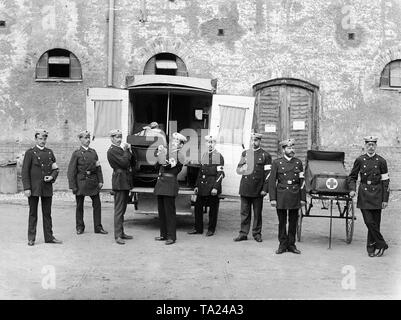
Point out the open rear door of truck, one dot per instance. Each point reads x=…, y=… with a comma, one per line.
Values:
x=106, y=109
x=231, y=122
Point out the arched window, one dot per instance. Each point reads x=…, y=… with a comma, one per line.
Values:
x=391, y=75
x=166, y=63
x=58, y=65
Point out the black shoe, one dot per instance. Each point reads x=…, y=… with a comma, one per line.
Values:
x=120, y=241
x=54, y=240
x=160, y=238
x=170, y=241
x=80, y=231
x=194, y=232
x=126, y=237
x=209, y=233
x=381, y=250
x=371, y=254
x=258, y=238
x=281, y=250
x=241, y=238
x=101, y=231
x=31, y=242
x=294, y=249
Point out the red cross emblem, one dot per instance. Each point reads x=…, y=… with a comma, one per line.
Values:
x=331, y=183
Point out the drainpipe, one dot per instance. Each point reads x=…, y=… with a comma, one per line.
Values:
x=110, y=45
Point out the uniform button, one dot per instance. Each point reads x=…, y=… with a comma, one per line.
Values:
x=284, y=174
x=366, y=189
x=287, y=187
x=282, y=168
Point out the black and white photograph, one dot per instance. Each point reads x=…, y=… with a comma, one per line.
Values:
x=200, y=154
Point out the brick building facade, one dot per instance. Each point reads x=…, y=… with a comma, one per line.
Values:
x=349, y=50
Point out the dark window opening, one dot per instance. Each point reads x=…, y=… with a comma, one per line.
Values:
x=391, y=75
x=221, y=32
x=351, y=36
x=2, y=23
x=58, y=64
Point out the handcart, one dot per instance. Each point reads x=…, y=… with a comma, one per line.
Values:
x=326, y=182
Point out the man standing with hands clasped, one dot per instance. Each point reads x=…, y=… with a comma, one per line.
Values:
x=373, y=193
x=85, y=178
x=39, y=172
x=254, y=166
x=287, y=193
x=208, y=187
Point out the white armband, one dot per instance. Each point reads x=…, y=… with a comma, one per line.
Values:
x=385, y=176
x=267, y=167
x=220, y=168
x=301, y=174
x=54, y=166
x=98, y=163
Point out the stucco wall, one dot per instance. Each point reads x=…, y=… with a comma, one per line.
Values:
x=263, y=39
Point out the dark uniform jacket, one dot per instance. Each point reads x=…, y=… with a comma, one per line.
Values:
x=167, y=183
x=286, y=183
x=374, y=186
x=84, y=172
x=36, y=165
x=254, y=166
x=122, y=162
x=211, y=174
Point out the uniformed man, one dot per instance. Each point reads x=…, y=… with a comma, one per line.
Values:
x=208, y=187
x=39, y=172
x=170, y=162
x=254, y=166
x=373, y=193
x=85, y=178
x=287, y=193
x=122, y=161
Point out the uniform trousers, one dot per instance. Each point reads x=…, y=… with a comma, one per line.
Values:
x=247, y=203
x=167, y=216
x=372, y=220
x=46, y=203
x=287, y=239
x=213, y=203
x=79, y=213
x=120, y=206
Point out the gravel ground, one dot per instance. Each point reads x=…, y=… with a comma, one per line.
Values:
x=93, y=266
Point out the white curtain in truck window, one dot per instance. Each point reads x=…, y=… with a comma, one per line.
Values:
x=231, y=124
x=107, y=117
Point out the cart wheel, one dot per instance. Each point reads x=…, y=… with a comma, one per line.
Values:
x=349, y=220
x=299, y=224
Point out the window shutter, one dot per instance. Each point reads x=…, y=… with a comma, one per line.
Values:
x=75, y=68
x=150, y=67
x=385, y=77
x=181, y=68
x=42, y=67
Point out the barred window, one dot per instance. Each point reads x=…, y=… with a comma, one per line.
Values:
x=391, y=75
x=58, y=65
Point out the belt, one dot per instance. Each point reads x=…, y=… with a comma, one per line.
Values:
x=287, y=184
x=122, y=170
x=166, y=175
